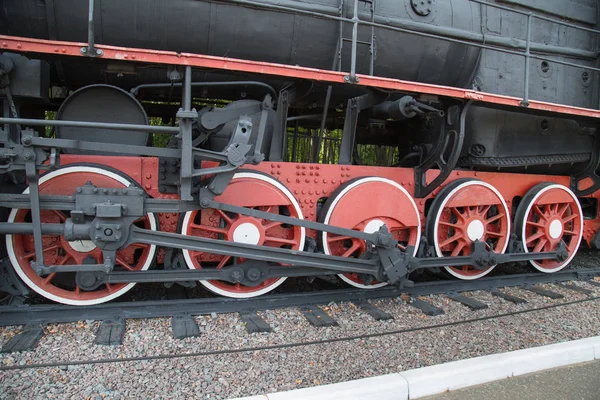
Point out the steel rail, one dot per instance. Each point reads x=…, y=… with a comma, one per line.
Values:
x=56, y=313
x=54, y=47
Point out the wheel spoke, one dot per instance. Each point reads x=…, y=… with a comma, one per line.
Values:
x=139, y=245
x=457, y=213
x=569, y=218
x=563, y=209
x=539, y=212
x=124, y=264
x=331, y=239
x=494, y=218
x=494, y=234
x=223, y=262
x=485, y=210
x=449, y=224
x=280, y=240
x=49, y=278
x=533, y=237
x=570, y=233
x=461, y=245
x=209, y=228
x=536, y=224
x=355, y=246
x=450, y=240
x=224, y=216
x=538, y=247
x=271, y=225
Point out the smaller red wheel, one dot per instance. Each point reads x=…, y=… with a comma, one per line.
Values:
x=548, y=214
x=464, y=211
x=366, y=204
x=253, y=190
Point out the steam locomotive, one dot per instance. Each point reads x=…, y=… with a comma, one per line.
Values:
x=238, y=143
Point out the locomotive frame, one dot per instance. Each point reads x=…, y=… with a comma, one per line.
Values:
x=106, y=215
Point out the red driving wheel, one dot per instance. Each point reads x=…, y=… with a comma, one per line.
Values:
x=252, y=190
x=366, y=204
x=62, y=287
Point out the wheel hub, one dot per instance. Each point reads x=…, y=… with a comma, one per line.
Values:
x=475, y=230
x=82, y=246
x=248, y=231
x=373, y=226
x=555, y=229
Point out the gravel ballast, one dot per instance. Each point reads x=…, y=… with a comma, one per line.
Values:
x=248, y=373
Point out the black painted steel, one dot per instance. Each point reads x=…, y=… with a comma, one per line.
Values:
x=53, y=313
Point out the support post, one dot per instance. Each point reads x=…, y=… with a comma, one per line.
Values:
x=352, y=78
x=525, y=101
x=185, y=131
x=91, y=50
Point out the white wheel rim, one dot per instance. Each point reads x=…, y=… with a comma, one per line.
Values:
x=241, y=295
x=17, y=267
x=370, y=225
x=438, y=215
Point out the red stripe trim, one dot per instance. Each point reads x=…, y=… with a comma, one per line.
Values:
x=203, y=61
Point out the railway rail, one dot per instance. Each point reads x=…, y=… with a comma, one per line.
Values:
x=54, y=313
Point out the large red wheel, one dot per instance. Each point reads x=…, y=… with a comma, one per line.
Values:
x=464, y=211
x=365, y=204
x=548, y=214
x=61, y=287
x=253, y=190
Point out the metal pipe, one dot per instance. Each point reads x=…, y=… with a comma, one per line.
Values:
x=91, y=39
x=27, y=229
x=341, y=41
x=84, y=124
x=299, y=117
x=187, y=92
x=270, y=88
x=525, y=101
x=372, y=46
x=352, y=78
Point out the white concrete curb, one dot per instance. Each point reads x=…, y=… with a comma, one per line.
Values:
x=421, y=382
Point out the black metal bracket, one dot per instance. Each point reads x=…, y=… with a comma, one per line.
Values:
x=353, y=108
x=445, y=153
x=590, y=172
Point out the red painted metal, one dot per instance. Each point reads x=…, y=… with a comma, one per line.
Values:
x=20, y=44
x=365, y=205
x=466, y=209
x=58, y=251
x=252, y=190
x=553, y=216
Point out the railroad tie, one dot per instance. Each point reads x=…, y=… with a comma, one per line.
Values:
x=508, y=297
x=575, y=288
x=184, y=326
x=373, y=311
x=467, y=301
x=255, y=323
x=543, y=292
x=111, y=332
x=593, y=283
x=26, y=340
x=317, y=317
x=426, y=307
